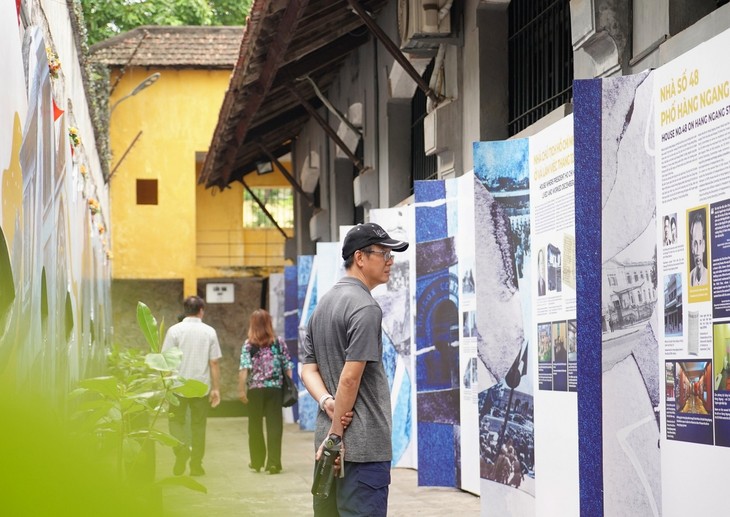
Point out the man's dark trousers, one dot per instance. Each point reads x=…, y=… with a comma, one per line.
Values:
x=198, y=407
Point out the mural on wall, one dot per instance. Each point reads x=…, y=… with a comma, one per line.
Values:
x=619, y=151
x=437, y=333
x=55, y=321
x=503, y=295
x=395, y=300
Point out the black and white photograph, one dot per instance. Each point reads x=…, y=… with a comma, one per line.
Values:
x=506, y=437
x=560, y=353
x=541, y=273
x=467, y=282
x=572, y=341
x=469, y=377
x=554, y=268
x=697, y=244
x=669, y=229
x=545, y=348
x=469, y=319
x=673, y=305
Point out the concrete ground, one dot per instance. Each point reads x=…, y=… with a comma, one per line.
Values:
x=234, y=490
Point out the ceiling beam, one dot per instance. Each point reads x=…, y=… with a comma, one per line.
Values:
x=249, y=167
x=251, y=32
x=276, y=51
x=322, y=57
x=328, y=129
x=263, y=209
x=393, y=50
x=286, y=174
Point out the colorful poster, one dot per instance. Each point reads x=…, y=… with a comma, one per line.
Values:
x=620, y=462
x=291, y=330
x=437, y=333
x=330, y=266
x=502, y=277
x=691, y=111
x=276, y=301
x=554, y=326
x=394, y=298
x=307, y=300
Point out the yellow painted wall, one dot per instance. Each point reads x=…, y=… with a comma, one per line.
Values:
x=221, y=232
x=177, y=116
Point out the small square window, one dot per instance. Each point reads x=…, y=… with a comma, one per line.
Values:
x=146, y=192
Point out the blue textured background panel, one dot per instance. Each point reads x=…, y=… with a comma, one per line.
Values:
x=587, y=123
x=430, y=221
x=436, y=458
x=437, y=362
x=402, y=418
x=307, y=281
x=290, y=303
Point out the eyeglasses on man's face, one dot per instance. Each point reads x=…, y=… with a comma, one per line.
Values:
x=387, y=255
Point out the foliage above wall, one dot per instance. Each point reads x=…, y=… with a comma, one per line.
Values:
x=107, y=18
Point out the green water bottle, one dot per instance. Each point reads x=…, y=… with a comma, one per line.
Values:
x=324, y=475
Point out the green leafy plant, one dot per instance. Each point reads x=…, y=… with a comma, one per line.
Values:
x=121, y=411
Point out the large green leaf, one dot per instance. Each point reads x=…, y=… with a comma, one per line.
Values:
x=147, y=383
x=185, y=481
x=106, y=386
x=131, y=448
x=191, y=388
x=131, y=406
x=148, y=325
x=173, y=357
x=95, y=419
x=76, y=393
x=139, y=434
x=114, y=413
x=164, y=438
x=97, y=403
x=167, y=361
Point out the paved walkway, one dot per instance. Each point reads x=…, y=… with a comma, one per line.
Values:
x=234, y=490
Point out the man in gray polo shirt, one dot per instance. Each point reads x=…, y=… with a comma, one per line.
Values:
x=343, y=370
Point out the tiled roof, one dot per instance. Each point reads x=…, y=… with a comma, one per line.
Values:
x=171, y=46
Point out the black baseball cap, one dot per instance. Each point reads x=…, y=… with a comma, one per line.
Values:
x=364, y=235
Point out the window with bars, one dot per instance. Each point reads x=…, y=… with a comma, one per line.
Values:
x=423, y=167
x=279, y=202
x=359, y=212
x=540, y=60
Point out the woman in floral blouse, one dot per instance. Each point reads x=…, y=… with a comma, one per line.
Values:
x=263, y=357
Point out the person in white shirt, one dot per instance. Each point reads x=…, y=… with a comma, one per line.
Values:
x=201, y=352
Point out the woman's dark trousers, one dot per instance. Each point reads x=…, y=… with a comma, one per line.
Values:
x=265, y=403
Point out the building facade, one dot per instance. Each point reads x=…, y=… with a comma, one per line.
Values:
x=173, y=238
x=492, y=69
x=629, y=293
